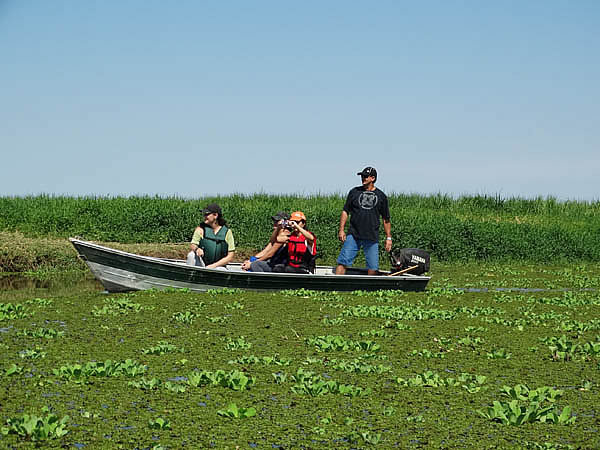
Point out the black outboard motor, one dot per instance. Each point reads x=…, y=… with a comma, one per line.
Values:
x=403, y=258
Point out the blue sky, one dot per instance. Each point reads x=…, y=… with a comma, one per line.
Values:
x=195, y=98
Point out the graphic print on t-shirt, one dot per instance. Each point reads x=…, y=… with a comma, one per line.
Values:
x=367, y=200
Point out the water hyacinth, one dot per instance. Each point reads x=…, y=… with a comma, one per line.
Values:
x=377, y=379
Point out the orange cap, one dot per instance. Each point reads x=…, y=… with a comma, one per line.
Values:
x=298, y=215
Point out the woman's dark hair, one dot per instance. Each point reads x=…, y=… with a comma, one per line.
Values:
x=221, y=221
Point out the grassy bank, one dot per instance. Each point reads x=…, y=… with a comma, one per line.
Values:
x=307, y=369
x=470, y=227
x=19, y=253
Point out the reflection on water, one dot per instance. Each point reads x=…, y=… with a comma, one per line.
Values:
x=51, y=284
x=14, y=282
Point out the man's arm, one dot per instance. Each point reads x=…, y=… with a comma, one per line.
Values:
x=260, y=256
x=264, y=251
x=341, y=232
x=345, y=213
x=387, y=227
x=268, y=251
x=272, y=250
x=283, y=236
x=274, y=234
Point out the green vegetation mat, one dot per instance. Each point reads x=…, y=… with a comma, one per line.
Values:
x=226, y=369
x=469, y=227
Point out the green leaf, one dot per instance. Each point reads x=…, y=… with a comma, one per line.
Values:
x=565, y=415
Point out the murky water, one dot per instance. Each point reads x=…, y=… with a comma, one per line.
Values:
x=525, y=290
x=51, y=285
x=15, y=282
x=86, y=283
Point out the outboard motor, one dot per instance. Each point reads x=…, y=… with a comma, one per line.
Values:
x=403, y=258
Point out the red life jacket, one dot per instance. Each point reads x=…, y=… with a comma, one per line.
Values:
x=298, y=250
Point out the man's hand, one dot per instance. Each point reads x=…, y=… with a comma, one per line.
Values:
x=388, y=245
x=342, y=236
x=246, y=265
x=199, y=252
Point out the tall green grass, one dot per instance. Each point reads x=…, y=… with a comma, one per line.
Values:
x=468, y=227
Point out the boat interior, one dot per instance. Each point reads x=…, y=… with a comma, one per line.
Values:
x=320, y=270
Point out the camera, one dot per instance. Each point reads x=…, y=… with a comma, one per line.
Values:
x=287, y=224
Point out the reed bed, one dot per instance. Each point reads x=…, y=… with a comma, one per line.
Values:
x=479, y=227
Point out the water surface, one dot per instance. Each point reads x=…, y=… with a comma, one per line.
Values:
x=52, y=285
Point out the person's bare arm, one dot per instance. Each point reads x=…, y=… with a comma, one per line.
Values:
x=274, y=234
x=387, y=227
x=283, y=236
x=307, y=234
x=264, y=251
x=276, y=246
x=343, y=219
x=199, y=234
x=223, y=261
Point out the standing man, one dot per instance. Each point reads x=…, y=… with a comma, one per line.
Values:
x=364, y=204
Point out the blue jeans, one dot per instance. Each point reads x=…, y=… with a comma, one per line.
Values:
x=260, y=266
x=352, y=246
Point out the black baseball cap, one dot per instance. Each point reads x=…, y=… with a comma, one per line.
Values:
x=212, y=208
x=280, y=216
x=368, y=172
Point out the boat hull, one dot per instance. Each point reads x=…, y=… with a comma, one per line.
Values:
x=120, y=271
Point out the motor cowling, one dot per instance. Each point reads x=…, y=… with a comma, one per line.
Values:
x=403, y=258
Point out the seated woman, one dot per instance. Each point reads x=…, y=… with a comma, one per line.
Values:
x=301, y=247
x=275, y=251
x=212, y=244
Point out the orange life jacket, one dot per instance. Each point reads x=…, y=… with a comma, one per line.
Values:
x=298, y=250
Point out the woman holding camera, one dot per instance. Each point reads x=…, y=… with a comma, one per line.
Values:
x=301, y=246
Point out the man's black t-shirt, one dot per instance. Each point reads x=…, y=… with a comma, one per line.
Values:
x=364, y=208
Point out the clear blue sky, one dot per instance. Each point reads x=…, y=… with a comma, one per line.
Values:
x=193, y=98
